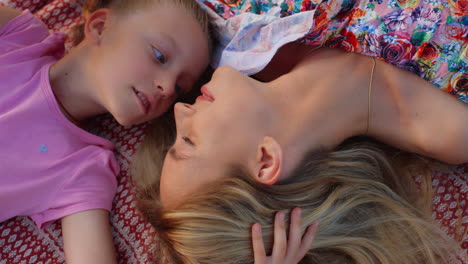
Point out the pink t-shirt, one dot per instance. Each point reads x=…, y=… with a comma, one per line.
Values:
x=49, y=168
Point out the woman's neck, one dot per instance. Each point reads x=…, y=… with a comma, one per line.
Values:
x=69, y=80
x=320, y=102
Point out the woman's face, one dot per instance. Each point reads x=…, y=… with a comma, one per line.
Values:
x=222, y=128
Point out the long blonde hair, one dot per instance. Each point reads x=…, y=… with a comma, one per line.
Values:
x=126, y=6
x=369, y=212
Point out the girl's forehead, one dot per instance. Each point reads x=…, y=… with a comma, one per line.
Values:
x=157, y=12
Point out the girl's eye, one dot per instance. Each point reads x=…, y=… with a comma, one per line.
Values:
x=188, y=141
x=159, y=56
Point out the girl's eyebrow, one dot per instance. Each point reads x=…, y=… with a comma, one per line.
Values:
x=168, y=42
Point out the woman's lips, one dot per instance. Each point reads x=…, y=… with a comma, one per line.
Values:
x=202, y=98
x=206, y=94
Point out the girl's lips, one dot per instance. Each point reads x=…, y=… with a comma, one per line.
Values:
x=143, y=100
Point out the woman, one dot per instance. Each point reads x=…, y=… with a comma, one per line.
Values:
x=366, y=212
x=245, y=146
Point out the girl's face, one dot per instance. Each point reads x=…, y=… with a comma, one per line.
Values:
x=224, y=127
x=146, y=59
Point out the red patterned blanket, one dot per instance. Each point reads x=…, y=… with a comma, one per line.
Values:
x=22, y=242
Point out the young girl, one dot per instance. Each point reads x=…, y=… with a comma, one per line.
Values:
x=136, y=58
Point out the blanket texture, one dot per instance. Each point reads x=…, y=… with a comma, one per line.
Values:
x=21, y=241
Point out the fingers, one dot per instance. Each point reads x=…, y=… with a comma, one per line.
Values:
x=307, y=240
x=279, y=238
x=285, y=251
x=257, y=242
x=295, y=234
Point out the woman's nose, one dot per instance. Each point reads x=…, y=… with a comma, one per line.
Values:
x=182, y=110
x=182, y=114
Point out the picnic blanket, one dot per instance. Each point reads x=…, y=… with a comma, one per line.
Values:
x=21, y=241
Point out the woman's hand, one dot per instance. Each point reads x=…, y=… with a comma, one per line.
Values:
x=285, y=251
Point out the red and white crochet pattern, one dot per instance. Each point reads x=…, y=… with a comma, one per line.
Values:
x=22, y=242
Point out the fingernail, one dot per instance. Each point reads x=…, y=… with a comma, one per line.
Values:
x=256, y=227
x=298, y=211
x=280, y=216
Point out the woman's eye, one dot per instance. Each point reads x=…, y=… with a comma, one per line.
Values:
x=159, y=56
x=188, y=141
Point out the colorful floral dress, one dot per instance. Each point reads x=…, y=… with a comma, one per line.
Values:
x=426, y=37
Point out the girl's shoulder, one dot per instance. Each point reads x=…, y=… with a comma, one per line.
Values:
x=26, y=45
x=21, y=25
x=7, y=14
x=26, y=31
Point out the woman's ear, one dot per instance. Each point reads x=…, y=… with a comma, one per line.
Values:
x=268, y=161
x=96, y=23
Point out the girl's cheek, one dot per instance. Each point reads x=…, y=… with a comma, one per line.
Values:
x=143, y=68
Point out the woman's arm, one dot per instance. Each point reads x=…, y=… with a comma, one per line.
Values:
x=412, y=114
x=87, y=238
x=7, y=14
x=406, y=111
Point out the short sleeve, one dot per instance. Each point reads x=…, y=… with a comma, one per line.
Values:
x=92, y=186
x=23, y=30
x=27, y=36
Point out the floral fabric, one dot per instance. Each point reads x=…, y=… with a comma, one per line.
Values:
x=426, y=37
x=21, y=241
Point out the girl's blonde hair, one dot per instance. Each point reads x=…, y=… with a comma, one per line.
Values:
x=127, y=6
x=369, y=212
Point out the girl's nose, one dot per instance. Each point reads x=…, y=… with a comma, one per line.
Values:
x=166, y=87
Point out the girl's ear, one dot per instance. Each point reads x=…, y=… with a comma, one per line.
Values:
x=269, y=161
x=96, y=23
